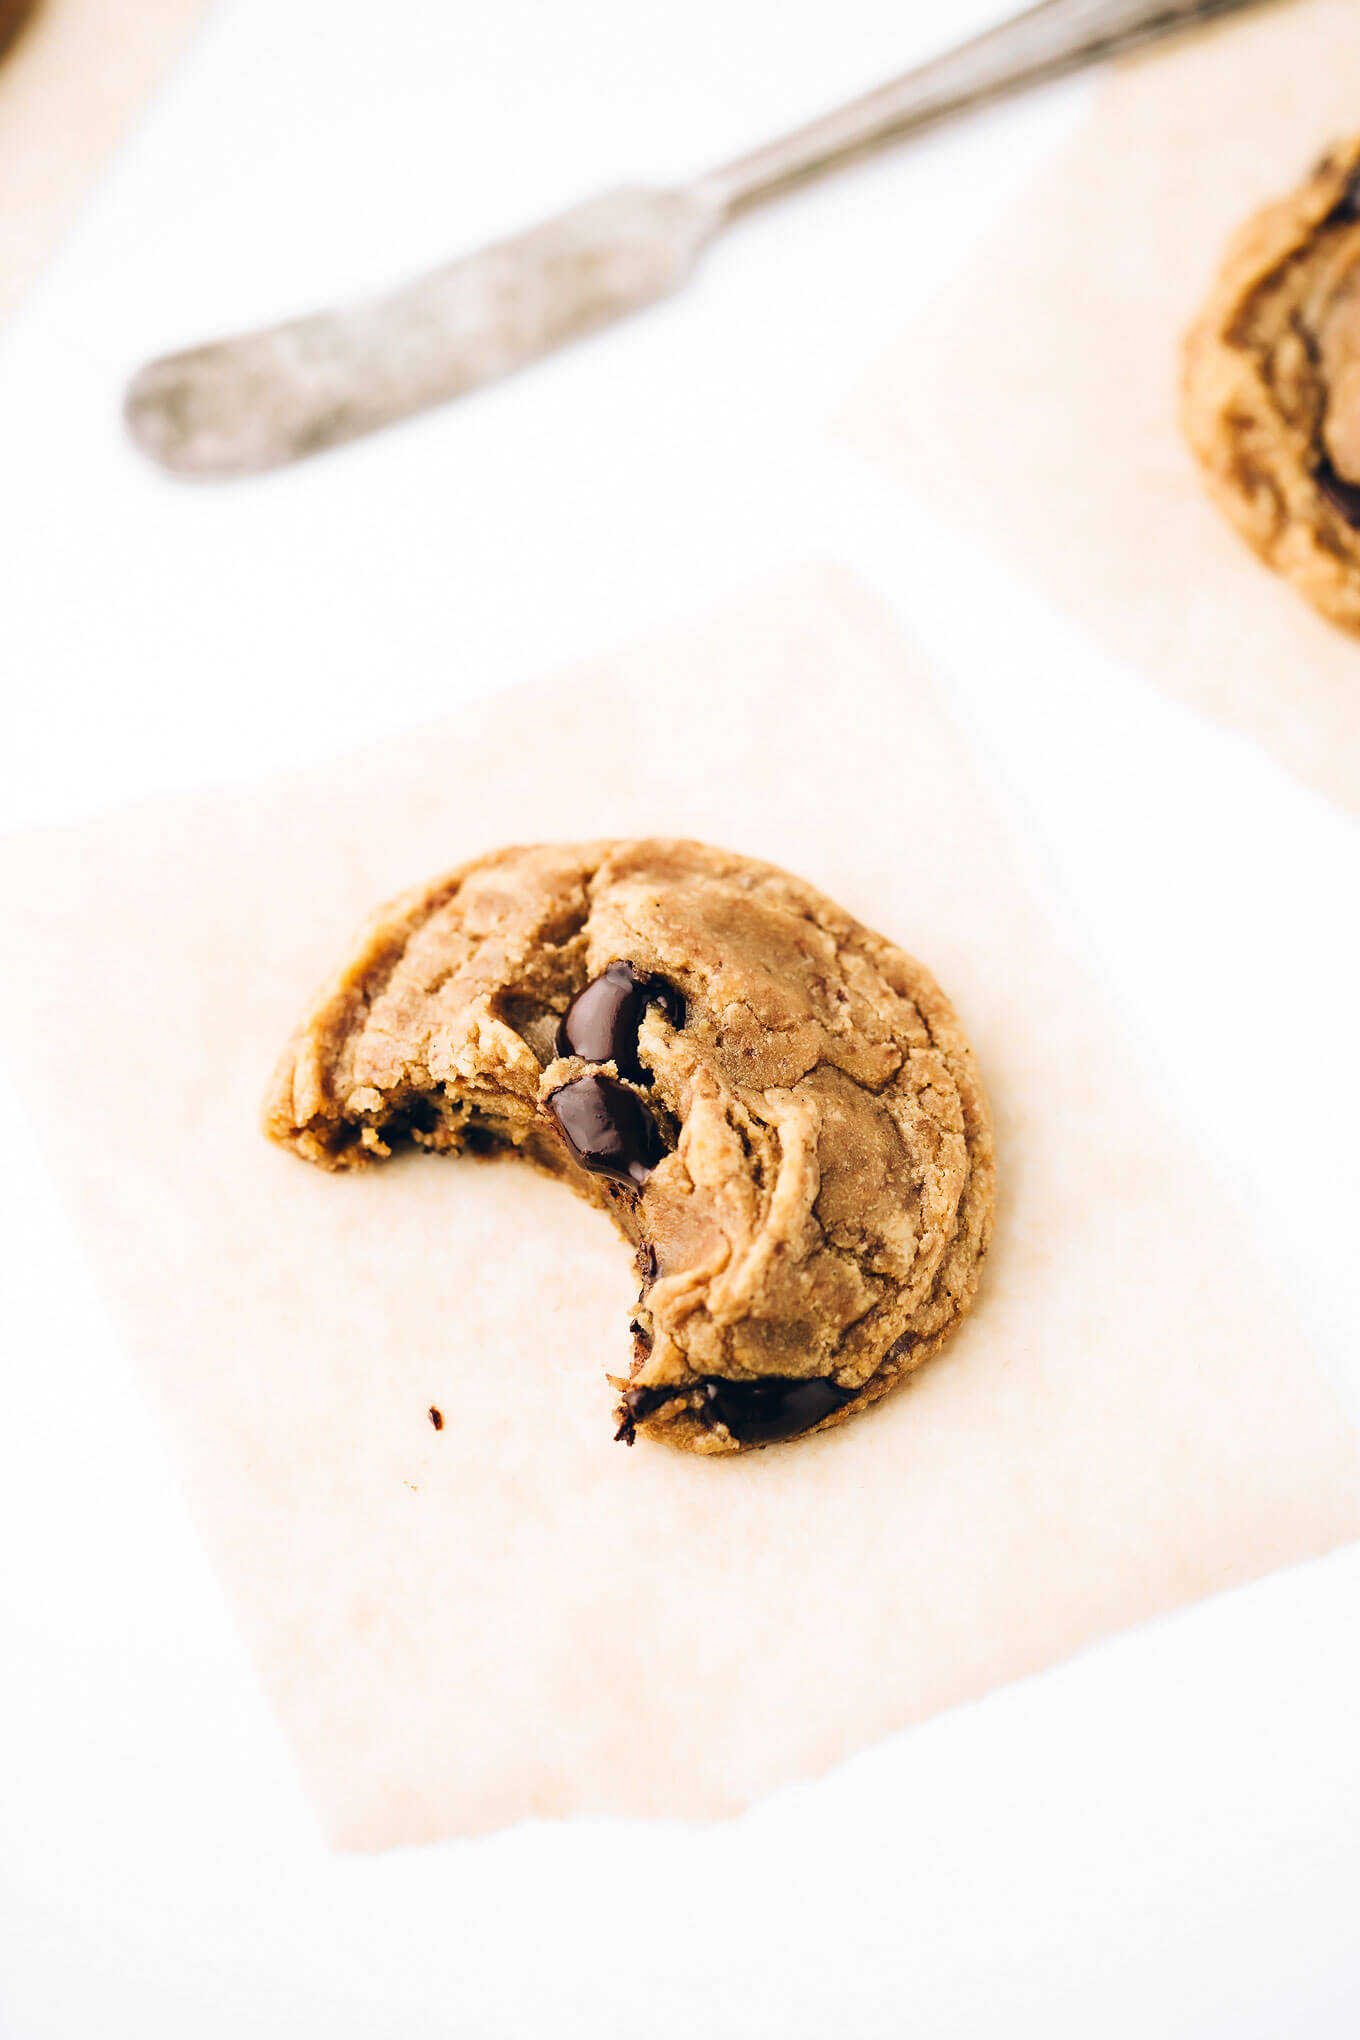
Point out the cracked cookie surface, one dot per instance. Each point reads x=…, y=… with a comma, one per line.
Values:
x=1270, y=394
x=777, y=1107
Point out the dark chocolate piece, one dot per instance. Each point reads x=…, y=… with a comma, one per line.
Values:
x=1343, y=496
x=601, y=1023
x=637, y=1405
x=608, y=1129
x=763, y=1412
x=755, y=1412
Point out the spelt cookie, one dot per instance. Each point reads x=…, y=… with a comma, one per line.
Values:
x=13, y=15
x=1270, y=398
x=778, y=1109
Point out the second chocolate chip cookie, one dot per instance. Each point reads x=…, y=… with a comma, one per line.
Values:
x=1271, y=386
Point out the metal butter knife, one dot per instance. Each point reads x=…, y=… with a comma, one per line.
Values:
x=261, y=399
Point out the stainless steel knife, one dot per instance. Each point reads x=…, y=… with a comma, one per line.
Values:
x=261, y=399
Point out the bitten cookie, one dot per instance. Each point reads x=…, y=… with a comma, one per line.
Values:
x=777, y=1107
x=1271, y=386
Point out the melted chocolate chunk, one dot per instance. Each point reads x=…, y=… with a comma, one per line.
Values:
x=608, y=1129
x=601, y=1023
x=436, y=1417
x=763, y=1412
x=1343, y=496
x=755, y=1412
x=638, y=1404
x=648, y=1265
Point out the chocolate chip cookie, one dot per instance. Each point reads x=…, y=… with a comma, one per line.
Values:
x=777, y=1107
x=1271, y=386
x=13, y=15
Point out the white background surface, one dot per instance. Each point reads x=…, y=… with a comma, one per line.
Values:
x=1161, y=1836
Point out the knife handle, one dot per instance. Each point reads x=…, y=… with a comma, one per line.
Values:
x=1044, y=42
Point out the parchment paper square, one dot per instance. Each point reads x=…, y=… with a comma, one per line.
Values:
x=71, y=85
x=1034, y=403
x=514, y=1615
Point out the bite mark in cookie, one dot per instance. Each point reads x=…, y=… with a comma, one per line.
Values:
x=1270, y=399
x=776, y=1106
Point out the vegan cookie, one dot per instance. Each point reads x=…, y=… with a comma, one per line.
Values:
x=13, y=15
x=777, y=1107
x=1270, y=398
